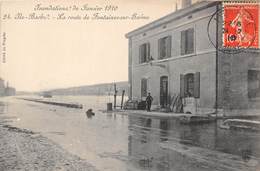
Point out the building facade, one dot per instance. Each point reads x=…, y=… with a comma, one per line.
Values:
x=10, y=91
x=6, y=90
x=174, y=56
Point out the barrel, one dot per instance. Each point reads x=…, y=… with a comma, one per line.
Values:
x=109, y=106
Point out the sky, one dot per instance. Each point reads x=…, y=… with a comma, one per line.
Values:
x=47, y=54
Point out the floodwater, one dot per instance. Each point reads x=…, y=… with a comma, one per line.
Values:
x=124, y=142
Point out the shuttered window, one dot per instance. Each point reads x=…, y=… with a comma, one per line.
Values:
x=164, y=46
x=144, y=53
x=253, y=83
x=190, y=85
x=189, y=79
x=187, y=41
x=144, y=87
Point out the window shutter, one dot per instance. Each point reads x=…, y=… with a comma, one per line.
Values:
x=145, y=87
x=159, y=48
x=182, y=86
x=183, y=41
x=168, y=46
x=190, y=40
x=142, y=88
x=147, y=51
x=143, y=53
x=197, y=85
x=140, y=54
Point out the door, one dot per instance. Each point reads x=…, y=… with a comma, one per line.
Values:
x=163, y=91
x=143, y=88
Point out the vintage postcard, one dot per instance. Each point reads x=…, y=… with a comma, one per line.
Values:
x=129, y=85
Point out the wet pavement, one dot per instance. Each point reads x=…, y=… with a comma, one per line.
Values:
x=125, y=142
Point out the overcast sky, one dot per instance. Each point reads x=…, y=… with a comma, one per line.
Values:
x=46, y=54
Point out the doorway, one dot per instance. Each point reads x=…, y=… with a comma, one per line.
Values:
x=163, y=91
x=143, y=88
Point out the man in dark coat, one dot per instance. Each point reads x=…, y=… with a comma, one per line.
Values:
x=149, y=100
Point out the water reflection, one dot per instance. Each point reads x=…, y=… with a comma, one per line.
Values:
x=163, y=130
x=147, y=134
x=3, y=107
x=246, y=154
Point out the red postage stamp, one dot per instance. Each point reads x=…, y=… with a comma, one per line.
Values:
x=240, y=27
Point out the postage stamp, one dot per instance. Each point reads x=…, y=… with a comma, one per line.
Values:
x=240, y=25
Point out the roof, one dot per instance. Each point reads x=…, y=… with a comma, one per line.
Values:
x=173, y=16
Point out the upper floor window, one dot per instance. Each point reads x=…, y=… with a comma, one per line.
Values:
x=187, y=41
x=165, y=47
x=253, y=83
x=144, y=52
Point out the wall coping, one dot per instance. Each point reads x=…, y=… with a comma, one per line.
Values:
x=173, y=58
x=173, y=16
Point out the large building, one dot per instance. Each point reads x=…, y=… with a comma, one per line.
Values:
x=180, y=54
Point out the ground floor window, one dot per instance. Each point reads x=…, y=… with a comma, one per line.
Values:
x=190, y=85
x=253, y=83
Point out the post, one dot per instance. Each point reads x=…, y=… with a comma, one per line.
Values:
x=217, y=60
x=122, y=100
x=115, y=96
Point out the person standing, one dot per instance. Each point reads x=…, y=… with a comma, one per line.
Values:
x=149, y=100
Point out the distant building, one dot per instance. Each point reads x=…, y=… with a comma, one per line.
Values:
x=10, y=91
x=174, y=56
x=6, y=90
x=2, y=87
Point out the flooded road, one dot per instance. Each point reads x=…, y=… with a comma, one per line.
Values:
x=124, y=142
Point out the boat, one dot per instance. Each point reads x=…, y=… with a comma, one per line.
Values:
x=244, y=124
